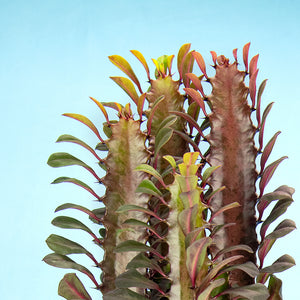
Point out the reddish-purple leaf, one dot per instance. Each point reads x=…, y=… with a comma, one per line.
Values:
x=131, y=207
x=267, y=151
x=259, y=94
x=283, y=192
x=196, y=97
x=268, y=173
x=224, y=208
x=275, y=285
x=200, y=61
x=182, y=53
x=70, y=287
x=252, y=87
x=196, y=254
x=262, y=128
x=245, y=56
x=281, y=264
x=197, y=82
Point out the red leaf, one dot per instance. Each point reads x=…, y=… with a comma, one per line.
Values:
x=197, y=98
x=259, y=94
x=197, y=82
x=267, y=151
x=214, y=56
x=235, y=54
x=262, y=128
x=268, y=173
x=245, y=56
x=252, y=87
x=200, y=61
x=253, y=65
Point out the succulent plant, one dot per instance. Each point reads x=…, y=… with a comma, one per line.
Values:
x=184, y=212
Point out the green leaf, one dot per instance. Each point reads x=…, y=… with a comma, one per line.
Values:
x=71, y=288
x=141, y=261
x=76, y=182
x=96, y=218
x=85, y=121
x=162, y=137
x=275, y=285
x=207, y=173
x=171, y=161
x=152, y=112
x=124, y=294
x=196, y=254
x=206, y=293
x=133, y=278
x=252, y=292
x=131, y=207
x=150, y=170
x=64, y=262
x=148, y=187
x=142, y=59
x=71, y=223
x=101, y=147
x=167, y=122
x=63, y=246
x=131, y=245
x=187, y=219
x=281, y=264
x=71, y=139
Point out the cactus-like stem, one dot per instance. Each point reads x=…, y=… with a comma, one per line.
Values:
x=126, y=152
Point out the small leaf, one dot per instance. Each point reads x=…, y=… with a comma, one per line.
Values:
x=207, y=173
x=197, y=98
x=234, y=52
x=245, y=56
x=200, y=61
x=85, y=121
x=72, y=139
x=186, y=219
x=268, y=173
x=262, y=127
x=197, y=83
x=170, y=159
x=283, y=192
x=224, y=208
x=150, y=170
x=91, y=214
x=267, y=151
x=253, y=65
x=140, y=105
x=196, y=254
x=205, y=295
x=64, y=262
x=131, y=207
x=101, y=147
x=135, y=222
x=127, y=86
x=259, y=94
x=124, y=294
x=76, y=182
x=214, y=56
x=71, y=223
x=281, y=264
x=233, y=248
x=63, y=159
x=70, y=287
x=284, y=228
x=249, y=267
x=279, y=209
x=142, y=59
x=275, y=287
x=135, y=246
x=102, y=108
x=252, y=292
x=148, y=187
x=167, y=122
x=161, y=139
x=182, y=53
x=152, y=112
x=252, y=88
x=141, y=261
x=133, y=278
x=123, y=65
x=63, y=246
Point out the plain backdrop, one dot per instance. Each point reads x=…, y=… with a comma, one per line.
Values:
x=53, y=56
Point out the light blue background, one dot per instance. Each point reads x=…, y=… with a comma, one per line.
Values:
x=54, y=55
